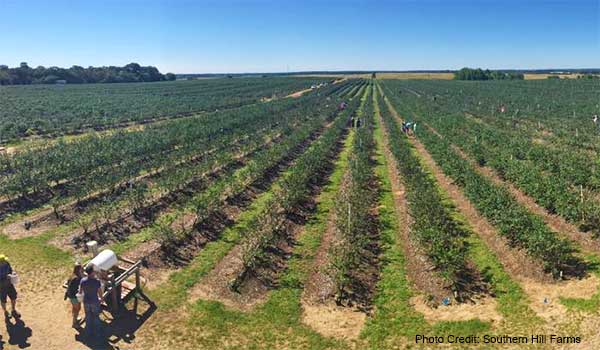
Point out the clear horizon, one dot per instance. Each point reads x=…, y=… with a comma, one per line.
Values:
x=259, y=36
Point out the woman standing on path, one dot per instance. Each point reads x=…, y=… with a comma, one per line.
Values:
x=71, y=293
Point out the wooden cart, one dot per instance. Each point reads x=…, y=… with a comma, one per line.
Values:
x=120, y=289
x=122, y=283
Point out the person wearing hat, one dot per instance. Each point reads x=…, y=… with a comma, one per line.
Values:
x=7, y=289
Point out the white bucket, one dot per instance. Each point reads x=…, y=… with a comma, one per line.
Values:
x=92, y=247
x=14, y=279
x=104, y=261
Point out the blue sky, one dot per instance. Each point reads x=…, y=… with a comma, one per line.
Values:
x=267, y=35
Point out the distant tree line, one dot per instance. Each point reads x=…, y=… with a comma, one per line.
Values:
x=480, y=74
x=588, y=76
x=132, y=72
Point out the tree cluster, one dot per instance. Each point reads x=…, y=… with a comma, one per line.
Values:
x=588, y=76
x=480, y=74
x=132, y=72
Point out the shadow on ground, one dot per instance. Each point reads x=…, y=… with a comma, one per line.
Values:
x=117, y=328
x=18, y=333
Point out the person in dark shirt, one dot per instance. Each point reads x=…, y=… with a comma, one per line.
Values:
x=90, y=286
x=7, y=289
x=71, y=293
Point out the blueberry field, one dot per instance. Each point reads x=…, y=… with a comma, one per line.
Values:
x=305, y=213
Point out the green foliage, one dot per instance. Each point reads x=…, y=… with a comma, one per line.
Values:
x=75, y=108
x=588, y=76
x=112, y=159
x=479, y=74
x=132, y=72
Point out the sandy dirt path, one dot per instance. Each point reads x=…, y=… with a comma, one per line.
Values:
x=299, y=93
x=45, y=316
x=45, y=321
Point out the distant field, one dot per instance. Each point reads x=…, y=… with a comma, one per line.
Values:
x=32, y=110
x=388, y=75
x=430, y=76
x=444, y=76
x=545, y=76
x=333, y=75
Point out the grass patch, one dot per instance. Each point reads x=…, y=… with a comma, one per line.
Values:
x=272, y=326
x=32, y=253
